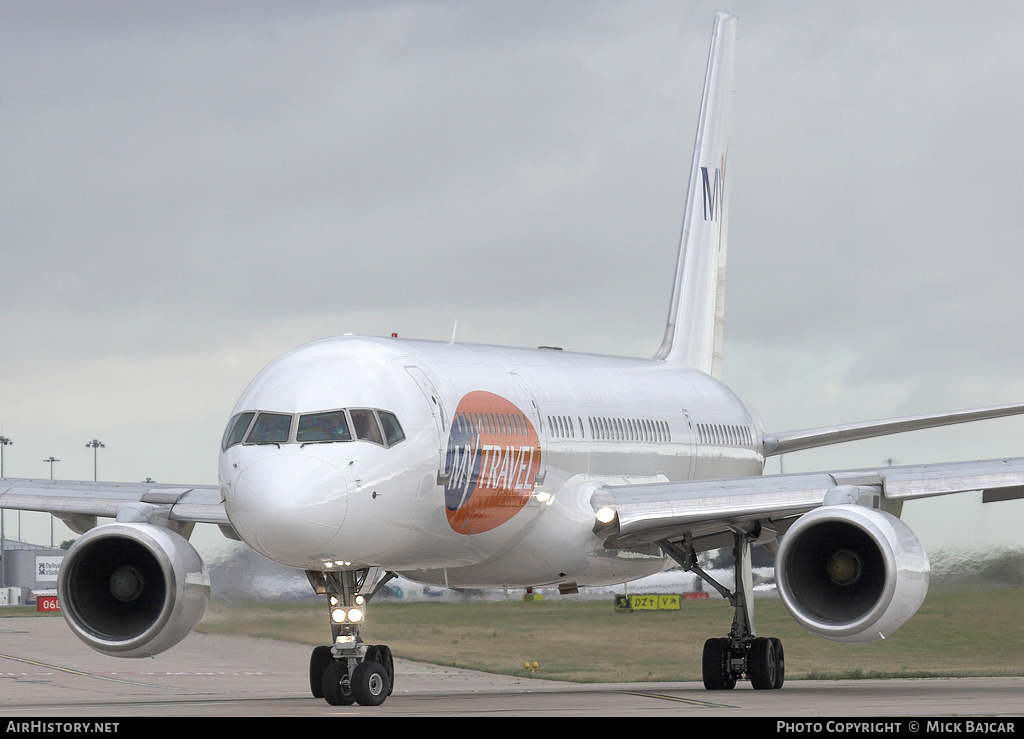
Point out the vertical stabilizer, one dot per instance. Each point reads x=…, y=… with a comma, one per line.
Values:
x=693, y=336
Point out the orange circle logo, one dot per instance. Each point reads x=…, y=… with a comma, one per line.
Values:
x=492, y=463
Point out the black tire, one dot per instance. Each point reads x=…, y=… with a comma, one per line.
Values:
x=382, y=655
x=762, y=664
x=780, y=663
x=337, y=687
x=318, y=661
x=715, y=665
x=370, y=684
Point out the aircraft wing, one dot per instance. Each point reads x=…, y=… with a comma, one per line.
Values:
x=707, y=513
x=80, y=503
x=791, y=441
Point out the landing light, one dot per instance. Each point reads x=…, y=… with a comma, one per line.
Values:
x=349, y=616
x=338, y=612
x=606, y=515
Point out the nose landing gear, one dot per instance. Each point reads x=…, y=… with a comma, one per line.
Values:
x=350, y=671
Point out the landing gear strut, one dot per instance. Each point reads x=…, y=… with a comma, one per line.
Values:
x=350, y=671
x=742, y=653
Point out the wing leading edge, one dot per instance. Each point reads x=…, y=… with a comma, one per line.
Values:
x=708, y=513
x=78, y=504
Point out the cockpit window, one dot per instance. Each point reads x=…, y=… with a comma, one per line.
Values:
x=270, y=428
x=392, y=428
x=263, y=427
x=328, y=426
x=365, y=422
x=236, y=429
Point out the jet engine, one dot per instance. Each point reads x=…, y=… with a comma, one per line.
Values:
x=850, y=573
x=132, y=589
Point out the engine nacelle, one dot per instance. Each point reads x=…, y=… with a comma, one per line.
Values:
x=850, y=573
x=132, y=589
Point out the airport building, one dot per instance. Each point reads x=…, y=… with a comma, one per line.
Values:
x=26, y=569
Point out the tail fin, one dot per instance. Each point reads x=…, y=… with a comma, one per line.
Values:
x=693, y=335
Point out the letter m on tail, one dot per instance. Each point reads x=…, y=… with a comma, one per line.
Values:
x=712, y=194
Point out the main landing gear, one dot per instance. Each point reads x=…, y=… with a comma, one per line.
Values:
x=350, y=671
x=742, y=653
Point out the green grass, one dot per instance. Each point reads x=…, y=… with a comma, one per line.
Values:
x=962, y=632
x=24, y=612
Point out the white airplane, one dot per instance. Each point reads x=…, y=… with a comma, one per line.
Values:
x=357, y=459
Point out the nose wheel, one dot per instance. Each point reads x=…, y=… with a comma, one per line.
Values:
x=367, y=683
x=350, y=671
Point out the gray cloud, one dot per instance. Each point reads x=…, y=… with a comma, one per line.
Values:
x=192, y=189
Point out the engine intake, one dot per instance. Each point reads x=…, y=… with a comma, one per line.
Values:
x=850, y=573
x=132, y=589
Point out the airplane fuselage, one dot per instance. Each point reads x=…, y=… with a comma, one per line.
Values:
x=487, y=481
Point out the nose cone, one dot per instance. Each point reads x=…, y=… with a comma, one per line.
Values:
x=288, y=506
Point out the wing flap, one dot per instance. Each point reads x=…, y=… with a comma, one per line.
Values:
x=1008, y=493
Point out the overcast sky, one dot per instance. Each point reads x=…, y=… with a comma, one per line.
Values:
x=191, y=189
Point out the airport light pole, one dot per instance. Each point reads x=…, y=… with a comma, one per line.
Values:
x=51, y=460
x=96, y=445
x=4, y=441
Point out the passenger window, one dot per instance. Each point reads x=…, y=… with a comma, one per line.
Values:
x=392, y=428
x=317, y=427
x=236, y=429
x=365, y=423
x=270, y=428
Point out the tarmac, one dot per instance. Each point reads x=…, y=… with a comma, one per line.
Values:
x=47, y=673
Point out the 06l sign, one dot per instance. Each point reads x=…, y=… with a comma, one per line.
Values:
x=47, y=603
